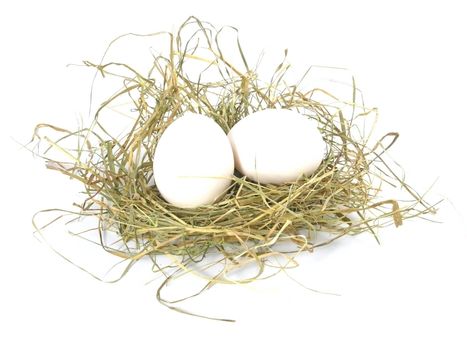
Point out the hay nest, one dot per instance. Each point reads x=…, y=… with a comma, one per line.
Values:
x=251, y=223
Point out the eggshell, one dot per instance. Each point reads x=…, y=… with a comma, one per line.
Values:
x=276, y=146
x=193, y=161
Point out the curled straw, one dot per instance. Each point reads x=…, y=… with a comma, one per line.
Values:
x=247, y=225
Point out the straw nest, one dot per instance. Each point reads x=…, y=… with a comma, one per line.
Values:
x=251, y=223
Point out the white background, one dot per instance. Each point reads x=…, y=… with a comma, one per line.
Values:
x=410, y=292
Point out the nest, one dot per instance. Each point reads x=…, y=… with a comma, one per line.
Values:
x=253, y=223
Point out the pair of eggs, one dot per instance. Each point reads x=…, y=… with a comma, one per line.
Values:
x=194, y=160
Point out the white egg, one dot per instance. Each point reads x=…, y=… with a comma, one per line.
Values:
x=277, y=146
x=193, y=162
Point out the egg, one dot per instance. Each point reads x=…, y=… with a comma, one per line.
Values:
x=276, y=146
x=193, y=162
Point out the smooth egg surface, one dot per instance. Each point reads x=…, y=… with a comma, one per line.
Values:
x=193, y=162
x=277, y=146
